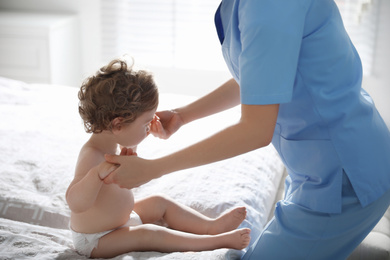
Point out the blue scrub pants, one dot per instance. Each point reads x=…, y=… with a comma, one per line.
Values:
x=297, y=232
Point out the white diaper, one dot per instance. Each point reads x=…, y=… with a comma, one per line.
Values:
x=85, y=243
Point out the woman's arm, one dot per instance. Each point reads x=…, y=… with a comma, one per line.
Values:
x=168, y=122
x=222, y=98
x=254, y=130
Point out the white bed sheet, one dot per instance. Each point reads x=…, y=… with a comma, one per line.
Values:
x=40, y=136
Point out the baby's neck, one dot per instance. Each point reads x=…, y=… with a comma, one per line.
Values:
x=104, y=142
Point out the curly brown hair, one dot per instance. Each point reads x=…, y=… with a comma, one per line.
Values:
x=116, y=90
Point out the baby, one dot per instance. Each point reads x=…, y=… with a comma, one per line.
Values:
x=117, y=106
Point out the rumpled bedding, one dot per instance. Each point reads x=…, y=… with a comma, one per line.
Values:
x=40, y=136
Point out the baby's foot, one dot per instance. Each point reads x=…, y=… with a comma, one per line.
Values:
x=228, y=221
x=238, y=239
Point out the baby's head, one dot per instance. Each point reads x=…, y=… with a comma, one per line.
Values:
x=116, y=91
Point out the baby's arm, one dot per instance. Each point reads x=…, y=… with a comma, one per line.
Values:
x=83, y=191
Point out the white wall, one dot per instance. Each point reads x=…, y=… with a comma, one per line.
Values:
x=88, y=12
x=190, y=82
x=378, y=84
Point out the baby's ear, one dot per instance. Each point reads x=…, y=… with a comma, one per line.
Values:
x=116, y=124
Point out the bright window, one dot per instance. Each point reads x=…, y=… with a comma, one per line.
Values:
x=165, y=33
x=360, y=20
x=181, y=33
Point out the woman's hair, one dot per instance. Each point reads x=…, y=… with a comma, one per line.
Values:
x=116, y=91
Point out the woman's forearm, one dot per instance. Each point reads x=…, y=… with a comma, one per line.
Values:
x=224, y=97
x=254, y=130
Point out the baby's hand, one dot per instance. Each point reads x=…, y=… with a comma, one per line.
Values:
x=105, y=168
x=127, y=151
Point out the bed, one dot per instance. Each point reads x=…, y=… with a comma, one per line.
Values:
x=40, y=136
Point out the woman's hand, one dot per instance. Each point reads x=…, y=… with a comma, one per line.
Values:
x=168, y=122
x=105, y=168
x=165, y=124
x=132, y=171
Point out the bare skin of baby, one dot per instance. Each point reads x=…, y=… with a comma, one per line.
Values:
x=97, y=207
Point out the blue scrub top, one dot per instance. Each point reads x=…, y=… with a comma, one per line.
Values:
x=297, y=54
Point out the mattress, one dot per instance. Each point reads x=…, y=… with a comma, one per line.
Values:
x=40, y=136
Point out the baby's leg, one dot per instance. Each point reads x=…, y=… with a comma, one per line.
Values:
x=149, y=237
x=183, y=218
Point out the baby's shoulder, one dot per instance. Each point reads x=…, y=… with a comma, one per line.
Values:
x=88, y=158
x=88, y=150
